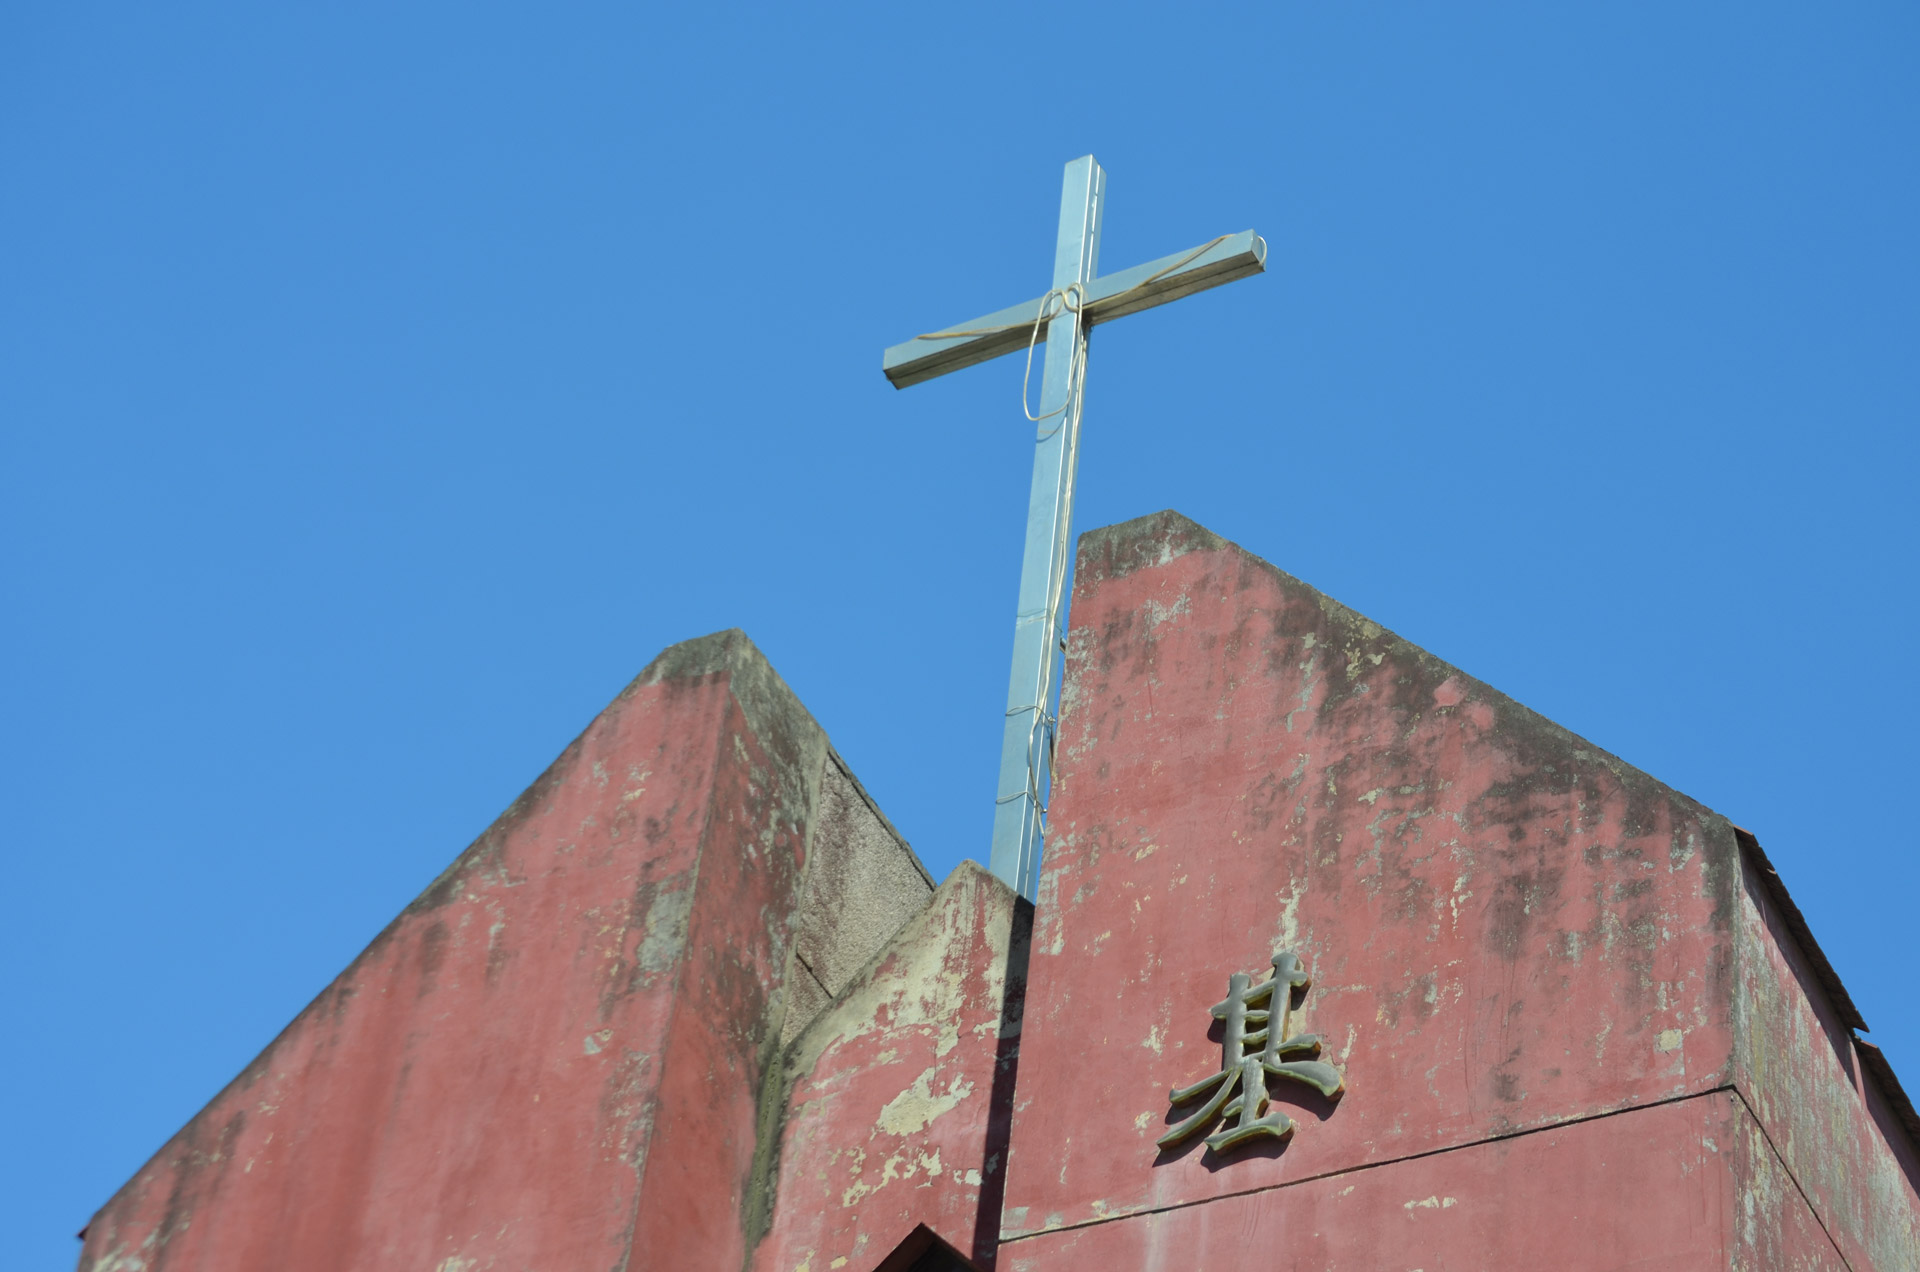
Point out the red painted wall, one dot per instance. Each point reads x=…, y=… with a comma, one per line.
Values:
x=1527, y=958
x=1507, y=927
x=1652, y=1190
x=900, y=1094
x=1574, y=1027
x=553, y=1058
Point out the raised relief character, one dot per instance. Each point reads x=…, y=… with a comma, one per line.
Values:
x=1255, y=1044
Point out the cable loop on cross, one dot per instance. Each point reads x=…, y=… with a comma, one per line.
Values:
x=1086, y=302
x=1072, y=300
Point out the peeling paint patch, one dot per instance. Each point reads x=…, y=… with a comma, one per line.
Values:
x=909, y=1112
x=1158, y=613
x=665, y=929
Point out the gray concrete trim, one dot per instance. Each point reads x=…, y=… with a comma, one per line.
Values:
x=847, y=769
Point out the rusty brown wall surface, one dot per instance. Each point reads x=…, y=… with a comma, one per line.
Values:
x=1651, y=1189
x=1508, y=928
x=1797, y=1067
x=899, y=1092
x=555, y=1056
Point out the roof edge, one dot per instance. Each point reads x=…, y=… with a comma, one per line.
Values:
x=1874, y=1061
x=1802, y=934
x=1117, y=550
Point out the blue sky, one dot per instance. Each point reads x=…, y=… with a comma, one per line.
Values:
x=383, y=386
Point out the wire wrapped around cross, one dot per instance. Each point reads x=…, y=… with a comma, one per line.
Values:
x=1071, y=299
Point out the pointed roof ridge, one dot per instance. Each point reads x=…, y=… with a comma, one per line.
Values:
x=1115, y=551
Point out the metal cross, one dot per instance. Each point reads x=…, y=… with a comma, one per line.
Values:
x=1077, y=302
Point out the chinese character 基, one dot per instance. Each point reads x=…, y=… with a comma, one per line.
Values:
x=1255, y=1045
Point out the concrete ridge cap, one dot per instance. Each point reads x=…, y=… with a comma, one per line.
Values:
x=729, y=650
x=969, y=867
x=1177, y=533
x=763, y=694
x=734, y=652
x=968, y=873
x=752, y=680
x=700, y=655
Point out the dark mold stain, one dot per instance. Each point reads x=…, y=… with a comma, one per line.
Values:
x=433, y=953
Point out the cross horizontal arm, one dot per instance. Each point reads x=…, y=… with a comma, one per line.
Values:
x=1230, y=257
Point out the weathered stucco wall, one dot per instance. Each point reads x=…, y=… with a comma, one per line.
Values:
x=1652, y=1190
x=556, y=1057
x=1533, y=964
x=1508, y=928
x=692, y=1002
x=862, y=886
x=1798, y=1068
x=900, y=1093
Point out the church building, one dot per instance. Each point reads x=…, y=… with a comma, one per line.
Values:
x=1337, y=958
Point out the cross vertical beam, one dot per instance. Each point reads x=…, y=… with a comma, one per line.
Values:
x=1078, y=301
x=1026, y=748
